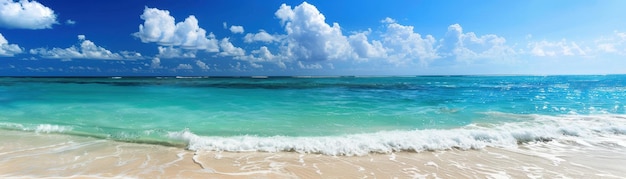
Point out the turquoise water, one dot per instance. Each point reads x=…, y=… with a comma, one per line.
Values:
x=338, y=115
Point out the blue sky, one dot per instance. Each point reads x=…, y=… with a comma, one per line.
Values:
x=241, y=38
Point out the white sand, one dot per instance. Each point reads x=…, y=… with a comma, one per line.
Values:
x=26, y=154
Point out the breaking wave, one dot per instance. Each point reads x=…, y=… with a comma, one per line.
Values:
x=587, y=128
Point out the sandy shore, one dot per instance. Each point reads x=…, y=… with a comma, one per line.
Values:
x=30, y=155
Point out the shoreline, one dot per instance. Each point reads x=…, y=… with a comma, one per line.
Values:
x=32, y=155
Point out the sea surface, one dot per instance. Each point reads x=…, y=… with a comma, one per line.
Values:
x=323, y=115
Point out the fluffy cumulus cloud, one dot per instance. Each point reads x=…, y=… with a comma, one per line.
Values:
x=235, y=29
x=263, y=55
x=309, y=66
x=131, y=55
x=86, y=50
x=228, y=49
x=388, y=20
x=202, y=65
x=173, y=52
x=309, y=37
x=160, y=27
x=262, y=36
x=405, y=46
x=468, y=46
x=363, y=48
x=26, y=14
x=8, y=50
x=307, y=41
x=156, y=63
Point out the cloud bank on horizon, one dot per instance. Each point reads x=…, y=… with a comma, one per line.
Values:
x=304, y=44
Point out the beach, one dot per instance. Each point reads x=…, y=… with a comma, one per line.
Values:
x=328, y=89
x=29, y=155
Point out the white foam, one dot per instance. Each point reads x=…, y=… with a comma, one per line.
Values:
x=48, y=128
x=12, y=125
x=41, y=128
x=590, y=129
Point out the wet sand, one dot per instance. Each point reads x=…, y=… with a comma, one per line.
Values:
x=30, y=155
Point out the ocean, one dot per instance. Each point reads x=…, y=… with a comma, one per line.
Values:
x=333, y=116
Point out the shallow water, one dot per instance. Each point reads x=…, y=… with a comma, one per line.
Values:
x=333, y=116
x=407, y=127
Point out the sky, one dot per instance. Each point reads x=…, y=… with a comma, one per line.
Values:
x=311, y=38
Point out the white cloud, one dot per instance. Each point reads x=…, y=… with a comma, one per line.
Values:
x=131, y=55
x=84, y=68
x=262, y=36
x=561, y=48
x=309, y=38
x=255, y=65
x=309, y=66
x=309, y=42
x=173, y=52
x=184, y=67
x=235, y=29
x=8, y=50
x=70, y=22
x=388, y=20
x=26, y=14
x=364, y=48
x=90, y=50
x=156, y=63
x=615, y=44
x=202, y=65
x=160, y=27
x=607, y=47
x=264, y=53
x=58, y=53
x=86, y=50
x=403, y=45
x=44, y=69
x=468, y=46
x=228, y=49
